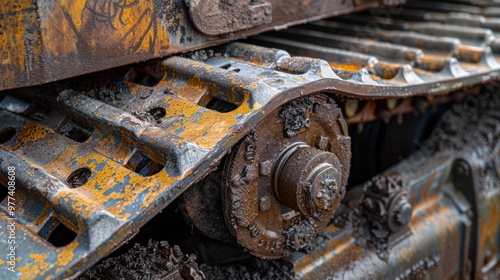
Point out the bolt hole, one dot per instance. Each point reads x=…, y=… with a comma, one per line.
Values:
x=143, y=165
x=79, y=177
x=61, y=236
x=75, y=131
x=158, y=113
x=225, y=66
x=220, y=105
x=57, y=233
x=7, y=134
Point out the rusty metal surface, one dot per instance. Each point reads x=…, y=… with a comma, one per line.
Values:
x=43, y=41
x=273, y=208
x=214, y=17
x=443, y=200
x=414, y=221
x=430, y=247
x=107, y=207
x=281, y=188
x=100, y=157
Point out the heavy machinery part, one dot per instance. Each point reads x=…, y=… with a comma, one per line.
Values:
x=437, y=242
x=202, y=205
x=42, y=41
x=453, y=190
x=366, y=247
x=145, y=145
x=283, y=182
x=214, y=17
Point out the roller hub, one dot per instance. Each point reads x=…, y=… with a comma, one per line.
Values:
x=284, y=181
x=306, y=179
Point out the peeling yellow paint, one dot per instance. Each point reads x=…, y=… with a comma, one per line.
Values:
x=38, y=267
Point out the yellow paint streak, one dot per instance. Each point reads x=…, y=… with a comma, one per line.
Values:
x=109, y=176
x=30, y=132
x=66, y=255
x=37, y=267
x=163, y=181
x=212, y=126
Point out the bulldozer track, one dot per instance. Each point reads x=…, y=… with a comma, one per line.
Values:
x=97, y=158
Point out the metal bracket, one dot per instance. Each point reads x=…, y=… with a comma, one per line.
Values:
x=217, y=17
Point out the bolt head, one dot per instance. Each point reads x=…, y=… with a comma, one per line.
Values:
x=265, y=168
x=322, y=142
x=264, y=203
x=403, y=216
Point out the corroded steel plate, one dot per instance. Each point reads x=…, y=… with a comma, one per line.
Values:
x=45, y=40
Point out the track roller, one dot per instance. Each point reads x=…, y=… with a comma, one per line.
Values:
x=283, y=182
